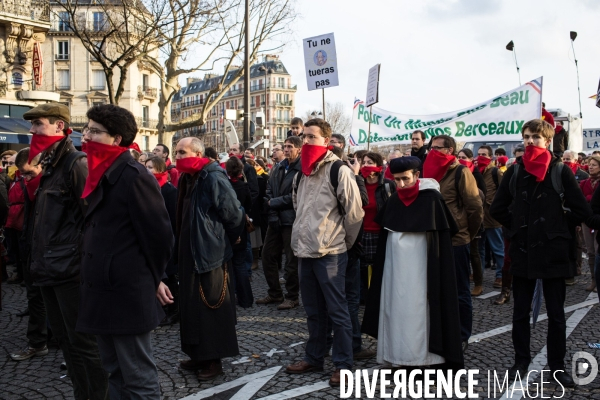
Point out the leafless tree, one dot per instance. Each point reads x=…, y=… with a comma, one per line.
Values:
x=125, y=32
x=335, y=114
x=205, y=34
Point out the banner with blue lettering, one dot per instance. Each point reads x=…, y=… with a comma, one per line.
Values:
x=500, y=118
x=591, y=139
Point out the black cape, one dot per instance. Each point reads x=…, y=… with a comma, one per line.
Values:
x=429, y=214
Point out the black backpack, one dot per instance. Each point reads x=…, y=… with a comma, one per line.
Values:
x=556, y=177
x=333, y=177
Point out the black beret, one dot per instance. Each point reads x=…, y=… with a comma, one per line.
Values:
x=402, y=164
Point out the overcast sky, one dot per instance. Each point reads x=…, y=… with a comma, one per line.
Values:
x=442, y=55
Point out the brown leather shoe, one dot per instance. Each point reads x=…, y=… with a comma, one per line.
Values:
x=503, y=297
x=498, y=283
x=191, y=365
x=302, y=367
x=214, y=369
x=268, y=300
x=364, y=354
x=477, y=290
x=335, y=379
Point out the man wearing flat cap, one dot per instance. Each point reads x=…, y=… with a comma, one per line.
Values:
x=55, y=255
x=412, y=303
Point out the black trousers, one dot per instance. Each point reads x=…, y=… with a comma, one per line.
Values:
x=554, y=295
x=277, y=241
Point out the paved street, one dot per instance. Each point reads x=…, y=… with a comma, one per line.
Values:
x=270, y=339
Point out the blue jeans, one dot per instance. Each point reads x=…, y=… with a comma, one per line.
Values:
x=323, y=291
x=496, y=240
x=465, y=307
x=353, y=299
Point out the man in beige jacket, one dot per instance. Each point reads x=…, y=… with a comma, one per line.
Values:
x=328, y=219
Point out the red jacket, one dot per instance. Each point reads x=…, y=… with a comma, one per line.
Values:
x=586, y=188
x=16, y=203
x=173, y=173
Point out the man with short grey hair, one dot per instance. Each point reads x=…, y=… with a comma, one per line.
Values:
x=210, y=220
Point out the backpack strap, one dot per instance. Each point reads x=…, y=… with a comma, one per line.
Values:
x=512, y=184
x=68, y=166
x=388, y=190
x=557, y=184
x=495, y=177
x=334, y=173
x=170, y=167
x=457, y=175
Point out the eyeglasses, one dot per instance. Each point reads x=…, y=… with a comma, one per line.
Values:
x=95, y=131
x=438, y=148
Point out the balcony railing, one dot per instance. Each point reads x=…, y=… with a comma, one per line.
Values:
x=61, y=56
x=63, y=87
x=192, y=103
x=284, y=103
x=36, y=10
x=97, y=87
x=146, y=91
x=146, y=123
x=255, y=88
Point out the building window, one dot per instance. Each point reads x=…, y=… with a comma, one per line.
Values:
x=99, y=21
x=280, y=133
x=62, y=51
x=63, y=79
x=98, y=103
x=281, y=82
x=145, y=81
x=146, y=143
x=145, y=116
x=64, y=21
x=98, y=80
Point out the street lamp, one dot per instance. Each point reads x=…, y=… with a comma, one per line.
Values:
x=573, y=36
x=511, y=47
x=314, y=114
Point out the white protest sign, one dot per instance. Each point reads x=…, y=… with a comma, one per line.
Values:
x=373, y=86
x=591, y=139
x=321, y=62
x=500, y=119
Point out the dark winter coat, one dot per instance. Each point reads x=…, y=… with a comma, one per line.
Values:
x=251, y=178
x=242, y=192
x=381, y=194
x=560, y=142
x=127, y=243
x=540, y=232
x=216, y=217
x=169, y=195
x=279, y=192
x=421, y=154
x=58, y=220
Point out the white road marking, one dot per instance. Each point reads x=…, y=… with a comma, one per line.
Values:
x=272, y=351
x=487, y=295
x=296, y=344
x=539, y=362
x=242, y=360
x=253, y=384
x=542, y=317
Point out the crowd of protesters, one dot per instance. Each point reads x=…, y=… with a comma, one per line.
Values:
x=111, y=242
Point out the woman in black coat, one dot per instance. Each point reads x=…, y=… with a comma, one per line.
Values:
x=241, y=274
x=157, y=167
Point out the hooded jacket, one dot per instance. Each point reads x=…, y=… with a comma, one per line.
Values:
x=319, y=228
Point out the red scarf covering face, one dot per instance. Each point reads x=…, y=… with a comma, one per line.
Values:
x=409, y=194
x=468, y=164
x=162, y=178
x=436, y=164
x=572, y=165
x=482, y=163
x=311, y=155
x=236, y=155
x=232, y=179
x=32, y=185
x=537, y=160
x=100, y=157
x=191, y=165
x=368, y=169
x=40, y=143
x=84, y=147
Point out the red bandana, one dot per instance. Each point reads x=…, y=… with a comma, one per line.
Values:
x=39, y=143
x=367, y=170
x=482, y=163
x=162, y=178
x=572, y=165
x=311, y=155
x=236, y=155
x=408, y=195
x=537, y=160
x=84, y=147
x=468, y=164
x=100, y=157
x=232, y=179
x=135, y=147
x=502, y=160
x=32, y=185
x=191, y=165
x=436, y=164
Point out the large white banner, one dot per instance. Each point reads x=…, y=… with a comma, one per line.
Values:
x=591, y=139
x=499, y=119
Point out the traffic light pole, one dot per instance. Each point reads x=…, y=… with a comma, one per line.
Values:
x=246, y=139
